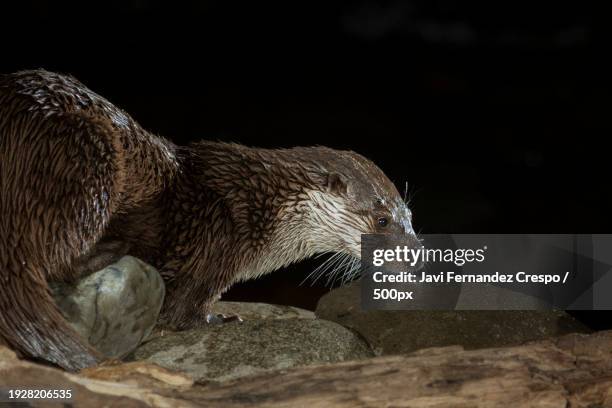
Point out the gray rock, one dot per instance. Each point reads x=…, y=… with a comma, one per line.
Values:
x=231, y=350
x=114, y=308
x=256, y=311
x=397, y=332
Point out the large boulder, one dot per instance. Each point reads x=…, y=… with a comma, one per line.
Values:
x=231, y=350
x=394, y=332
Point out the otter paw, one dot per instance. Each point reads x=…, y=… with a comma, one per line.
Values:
x=220, y=318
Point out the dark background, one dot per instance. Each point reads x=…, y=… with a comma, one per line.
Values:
x=495, y=113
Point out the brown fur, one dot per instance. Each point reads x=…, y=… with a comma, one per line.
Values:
x=76, y=172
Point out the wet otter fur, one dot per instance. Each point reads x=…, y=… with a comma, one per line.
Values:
x=79, y=177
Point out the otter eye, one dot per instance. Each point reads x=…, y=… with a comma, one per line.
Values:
x=383, y=221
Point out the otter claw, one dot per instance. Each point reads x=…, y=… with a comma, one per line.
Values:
x=220, y=318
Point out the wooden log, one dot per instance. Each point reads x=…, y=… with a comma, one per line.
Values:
x=571, y=371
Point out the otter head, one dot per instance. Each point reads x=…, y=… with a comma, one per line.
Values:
x=289, y=204
x=355, y=198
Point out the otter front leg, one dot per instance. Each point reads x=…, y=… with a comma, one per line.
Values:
x=190, y=306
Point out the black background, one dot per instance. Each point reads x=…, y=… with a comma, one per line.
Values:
x=495, y=113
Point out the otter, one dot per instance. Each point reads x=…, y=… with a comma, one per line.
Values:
x=81, y=180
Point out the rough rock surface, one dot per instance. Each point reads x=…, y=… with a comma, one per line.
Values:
x=572, y=371
x=393, y=332
x=114, y=308
x=231, y=350
x=256, y=311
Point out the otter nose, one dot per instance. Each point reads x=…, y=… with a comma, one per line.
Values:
x=406, y=222
x=408, y=230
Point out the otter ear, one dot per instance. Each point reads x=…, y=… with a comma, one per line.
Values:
x=336, y=184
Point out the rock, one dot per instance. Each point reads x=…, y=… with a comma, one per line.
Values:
x=232, y=350
x=256, y=311
x=114, y=308
x=393, y=332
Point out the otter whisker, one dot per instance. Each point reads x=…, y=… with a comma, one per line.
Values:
x=337, y=266
x=348, y=267
x=346, y=271
x=315, y=271
x=327, y=266
x=318, y=268
x=418, y=235
x=321, y=269
x=409, y=196
x=319, y=255
x=335, y=272
x=352, y=271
